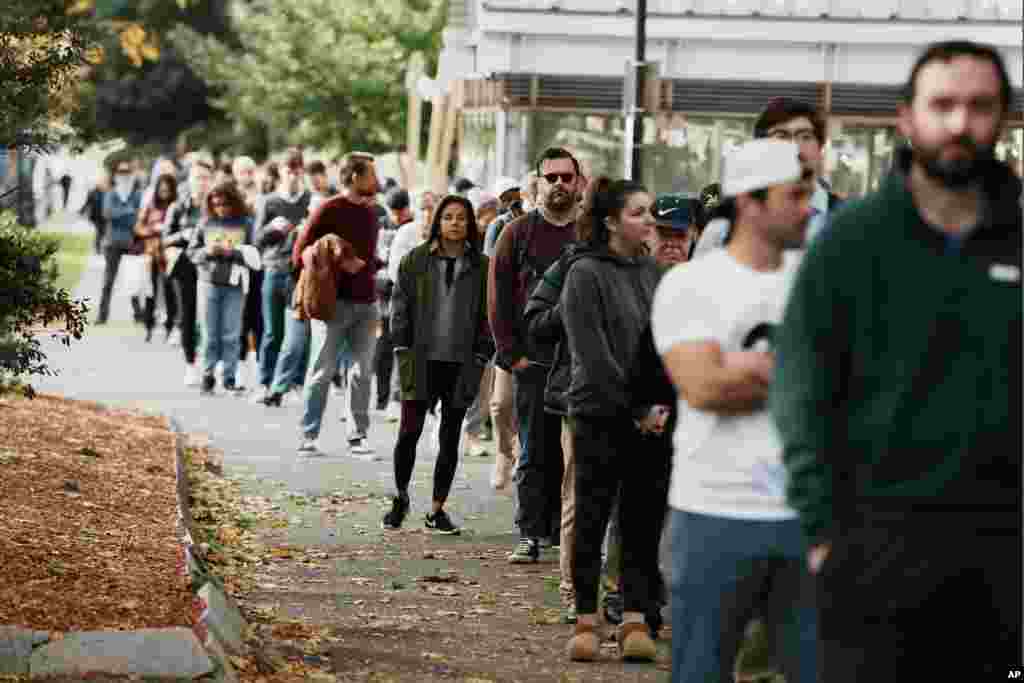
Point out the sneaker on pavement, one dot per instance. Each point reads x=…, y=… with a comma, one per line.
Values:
x=360, y=446
x=636, y=644
x=174, y=337
x=259, y=396
x=394, y=413
x=585, y=644
x=207, y=385
x=527, y=551
x=192, y=375
x=613, y=608
x=440, y=523
x=309, y=448
x=399, y=509
x=272, y=399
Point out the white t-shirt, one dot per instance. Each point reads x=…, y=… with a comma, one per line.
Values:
x=726, y=466
x=406, y=239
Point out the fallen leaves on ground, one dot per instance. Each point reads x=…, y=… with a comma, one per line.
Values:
x=87, y=518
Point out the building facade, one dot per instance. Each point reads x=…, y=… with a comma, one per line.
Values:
x=527, y=74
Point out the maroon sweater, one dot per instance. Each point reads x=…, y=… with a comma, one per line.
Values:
x=355, y=224
x=510, y=283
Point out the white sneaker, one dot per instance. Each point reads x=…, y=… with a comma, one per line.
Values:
x=360, y=446
x=174, y=338
x=242, y=376
x=310, y=448
x=394, y=413
x=191, y=375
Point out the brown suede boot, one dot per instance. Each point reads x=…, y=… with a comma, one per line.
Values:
x=635, y=643
x=584, y=644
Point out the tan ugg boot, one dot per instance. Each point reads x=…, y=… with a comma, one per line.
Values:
x=584, y=644
x=635, y=643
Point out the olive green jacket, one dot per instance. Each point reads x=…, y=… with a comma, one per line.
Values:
x=411, y=305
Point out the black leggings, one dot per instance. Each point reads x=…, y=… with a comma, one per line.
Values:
x=159, y=282
x=252, y=314
x=184, y=282
x=442, y=382
x=611, y=454
x=383, y=362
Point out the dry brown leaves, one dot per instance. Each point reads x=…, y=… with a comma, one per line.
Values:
x=87, y=518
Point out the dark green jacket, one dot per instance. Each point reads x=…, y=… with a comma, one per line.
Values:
x=412, y=304
x=898, y=378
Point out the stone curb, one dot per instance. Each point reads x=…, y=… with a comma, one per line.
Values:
x=218, y=623
x=202, y=652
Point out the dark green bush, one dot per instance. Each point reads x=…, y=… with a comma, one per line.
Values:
x=31, y=305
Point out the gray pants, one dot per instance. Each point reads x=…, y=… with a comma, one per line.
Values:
x=353, y=322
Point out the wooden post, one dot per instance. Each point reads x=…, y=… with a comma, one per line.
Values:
x=447, y=140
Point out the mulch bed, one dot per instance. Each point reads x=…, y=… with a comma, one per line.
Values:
x=87, y=518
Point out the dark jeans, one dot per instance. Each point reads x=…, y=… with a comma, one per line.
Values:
x=252, y=313
x=442, y=381
x=541, y=465
x=277, y=286
x=383, y=362
x=112, y=257
x=184, y=282
x=610, y=460
x=920, y=590
x=727, y=571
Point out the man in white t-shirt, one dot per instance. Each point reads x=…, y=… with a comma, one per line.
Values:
x=737, y=549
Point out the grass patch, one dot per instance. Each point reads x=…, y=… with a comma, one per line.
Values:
x=72, y=257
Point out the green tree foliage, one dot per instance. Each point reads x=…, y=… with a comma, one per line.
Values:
x=142, y=90
x=319, y=72
x=44, y=47
x=31, y=304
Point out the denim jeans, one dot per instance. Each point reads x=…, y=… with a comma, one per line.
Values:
x=354, y=323
x=276, y=288
x=293, y=359
x=727, y=571
x=221, y=312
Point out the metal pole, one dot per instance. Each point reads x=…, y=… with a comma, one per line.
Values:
x=638, y=118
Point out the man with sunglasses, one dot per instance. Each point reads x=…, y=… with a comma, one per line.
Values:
x=525, y=249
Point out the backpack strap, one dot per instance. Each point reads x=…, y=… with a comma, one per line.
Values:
x=523, y=243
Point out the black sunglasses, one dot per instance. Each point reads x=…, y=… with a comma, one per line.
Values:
x=553, y=177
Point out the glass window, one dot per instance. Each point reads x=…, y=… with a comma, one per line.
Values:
x=859, y=157
x=477, y=147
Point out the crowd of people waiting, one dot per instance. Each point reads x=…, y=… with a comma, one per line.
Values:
x=797, y=410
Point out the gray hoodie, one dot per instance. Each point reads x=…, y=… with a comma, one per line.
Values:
x=606, y=304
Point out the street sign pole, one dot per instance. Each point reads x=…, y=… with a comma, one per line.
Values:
x=635, y=122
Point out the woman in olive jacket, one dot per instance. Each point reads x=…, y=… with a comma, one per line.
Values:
x=442, y=343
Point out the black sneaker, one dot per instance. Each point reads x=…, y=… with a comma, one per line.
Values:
x=209, y=381
x=399, y=509
x=613, y=608
x=526, y=552
x=440, y=523
x=273, y=399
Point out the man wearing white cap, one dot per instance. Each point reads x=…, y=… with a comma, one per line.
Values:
x=737, y=549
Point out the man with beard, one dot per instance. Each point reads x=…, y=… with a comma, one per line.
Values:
x=525, y=250
x=897, y=393
x=351, y=216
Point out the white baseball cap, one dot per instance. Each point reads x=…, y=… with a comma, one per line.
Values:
x=760, y=163
x=503, y=185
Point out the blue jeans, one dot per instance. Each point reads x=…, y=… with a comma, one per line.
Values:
x=276, y=288
x=293, y=359
x=724, y=573
x=221, y=312
x=353, y=322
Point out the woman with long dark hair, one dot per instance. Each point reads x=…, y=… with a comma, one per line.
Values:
x=605, y=306
x=148, y=228
x=442, y=343
x=221, y=249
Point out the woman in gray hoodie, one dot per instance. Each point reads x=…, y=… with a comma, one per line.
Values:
x=606, y=304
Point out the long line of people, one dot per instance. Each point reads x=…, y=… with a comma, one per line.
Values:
x=620, y=346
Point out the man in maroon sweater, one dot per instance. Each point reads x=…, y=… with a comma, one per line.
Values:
x=351, y=216
x=525, y=249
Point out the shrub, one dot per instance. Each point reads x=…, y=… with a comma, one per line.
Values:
x=31, y=304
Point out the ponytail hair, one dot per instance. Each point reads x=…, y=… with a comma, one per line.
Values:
x=608, y=203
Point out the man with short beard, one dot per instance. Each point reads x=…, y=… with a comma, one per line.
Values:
x=898, y=394
x=352, y=217
x=525, y=250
